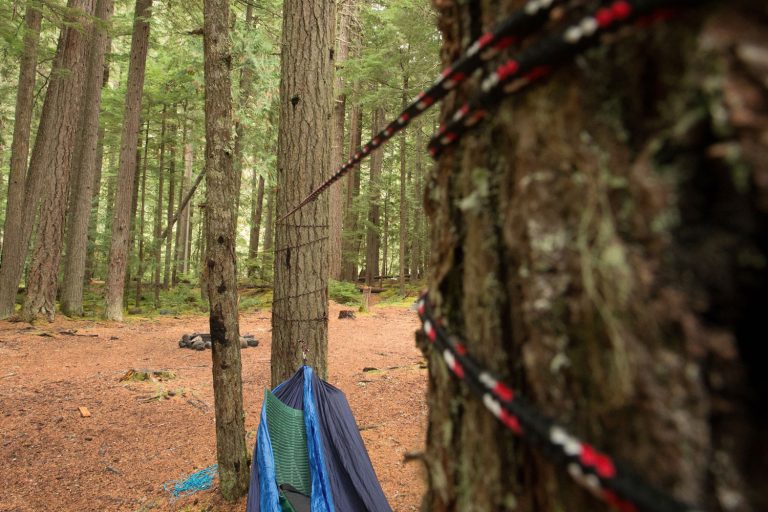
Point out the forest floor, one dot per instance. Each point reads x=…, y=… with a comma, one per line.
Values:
x=142, y=434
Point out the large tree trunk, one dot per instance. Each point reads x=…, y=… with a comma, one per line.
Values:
x=373, y=233
x=86, y=162
x=300, y=307
x=221, y=190
x=118, y=251
x=588, y=250
x=336, y=192
x=257, y=201
x=13, y=253
x=72, y=57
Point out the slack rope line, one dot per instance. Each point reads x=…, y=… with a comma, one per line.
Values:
x=597, y=472
x=521, y=23
x=527, y=67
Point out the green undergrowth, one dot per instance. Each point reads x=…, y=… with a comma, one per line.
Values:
x=344, y=292
x=185, y=299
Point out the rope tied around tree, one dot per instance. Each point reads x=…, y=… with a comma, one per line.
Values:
x=602, y=475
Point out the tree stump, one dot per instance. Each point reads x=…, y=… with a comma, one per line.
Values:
x=366, y=304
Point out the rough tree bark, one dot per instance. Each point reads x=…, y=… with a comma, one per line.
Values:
x=300, y=307
x=373, y=235
x=118, y=251
x=257, y=201
x=591, y=250
x=70, y=71
x=221, y=191
x=12, y=251
x=86, y=165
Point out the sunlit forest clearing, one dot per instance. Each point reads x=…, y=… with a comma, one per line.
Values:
x=308, y=255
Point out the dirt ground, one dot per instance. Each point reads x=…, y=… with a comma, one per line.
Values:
x=140, y=436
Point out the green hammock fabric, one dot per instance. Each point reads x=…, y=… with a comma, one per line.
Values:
x=289, y=444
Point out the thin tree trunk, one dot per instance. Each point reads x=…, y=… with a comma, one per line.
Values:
x=300, y=307
x=142, y=215
x=86, y=168
x=182, y=230
x=336, y=193
x=403, y=197
x=267, y=257
x=384, y=235
x=118, y=251
x=257, y=201
x=70, y=71
x=352, y=239
x=157, y=242
x=596, y=269
x=246, y=81
x=171, y=198
x=221, y=191
x=91, y=256
x=14, y=249
x=373, y=234
x=418, y=208
x=190, y=231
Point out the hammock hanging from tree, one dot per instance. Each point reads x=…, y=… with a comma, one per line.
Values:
x=309, y=452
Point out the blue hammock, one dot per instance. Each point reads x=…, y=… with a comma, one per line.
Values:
x=309, y=453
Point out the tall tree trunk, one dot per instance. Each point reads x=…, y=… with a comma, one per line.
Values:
x=336, y=193
x=182, y=230
x=13, y=251
x=417, y=206
x=267, y=257
x=91, y=255
x=221, y=191
x=373, y=234
x=384, y=234
x=70, y=70
x=352, y=239
x=118, y=251
x=584, y=252
x=142, y=215
x=171, y=198
x=257, y=201
x=86, y=166
x=403, y=197
x=157, y=243
x=300, y=307
x=246, y=85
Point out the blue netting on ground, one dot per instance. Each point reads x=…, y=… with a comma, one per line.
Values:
x=196, y=482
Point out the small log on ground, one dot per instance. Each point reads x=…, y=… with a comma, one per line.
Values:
x=346, y=313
